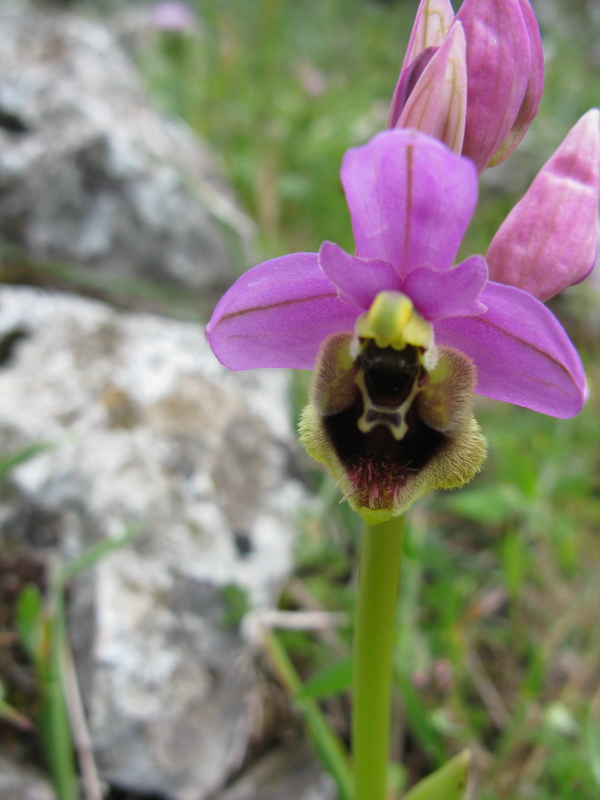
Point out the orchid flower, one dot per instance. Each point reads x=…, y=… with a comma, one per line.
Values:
x=400, y=337
x=473, y=80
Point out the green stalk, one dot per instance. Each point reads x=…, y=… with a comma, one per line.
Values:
x=379, y=578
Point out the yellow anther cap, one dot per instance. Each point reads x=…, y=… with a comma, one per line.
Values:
x=392, y=321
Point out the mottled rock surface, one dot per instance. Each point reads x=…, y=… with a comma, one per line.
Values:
x=22, y=782
x=91, y=173
x=289, y=772
x=145, y=426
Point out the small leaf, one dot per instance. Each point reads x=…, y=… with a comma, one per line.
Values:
x=11, y=715
x=447, y=783
x=325, y=739
x=330, y=681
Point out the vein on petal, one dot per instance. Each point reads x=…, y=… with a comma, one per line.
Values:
x=282, y=304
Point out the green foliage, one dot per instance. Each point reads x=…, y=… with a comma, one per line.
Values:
x=10, y=461
x=236, y=603
x=281, y=90
x=333, y=680
x=29, y=615
x=41, y=626
x=42, y=632
x=449, y=782
x=10, y=714
x=96, y=553
x=325, y=740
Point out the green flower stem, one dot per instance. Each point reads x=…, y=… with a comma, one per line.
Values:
x=379, y=579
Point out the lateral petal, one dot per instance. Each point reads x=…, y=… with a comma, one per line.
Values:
x=521, y=351
x=358, y=280
x=549, y=239
x=277, y=315
x=449, y=293
x=410, y=199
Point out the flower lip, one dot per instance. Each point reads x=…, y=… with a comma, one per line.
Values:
x=388, y=431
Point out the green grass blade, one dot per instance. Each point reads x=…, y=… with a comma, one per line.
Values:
x=331, y=681
x=99, y=551
x=447, y=783
x=12, y=460
x=324, y=738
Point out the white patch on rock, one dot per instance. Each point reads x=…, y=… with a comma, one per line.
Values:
x=147, y=427
x=92, y=173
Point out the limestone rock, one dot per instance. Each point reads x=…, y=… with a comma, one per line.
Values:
x=92, y=174
x=289, y=772
x=19, y=782
x=146, y=426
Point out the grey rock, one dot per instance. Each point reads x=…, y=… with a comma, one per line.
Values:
x=92, y=174
x=146, y=426
x=22, y=782
x=289, y=772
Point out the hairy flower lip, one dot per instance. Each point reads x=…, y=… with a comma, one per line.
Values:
x=410, y=200
x=385, y=457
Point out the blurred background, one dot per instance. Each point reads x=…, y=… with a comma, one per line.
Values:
x=148, y=155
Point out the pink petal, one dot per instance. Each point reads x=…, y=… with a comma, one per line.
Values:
x=407, y=82
x=277, y=315
x=533, y=93
x=549, y=239
x=172, y=15
x=432, y=23
x=498, y=69
x=358, y=280
x=410, y=199
x=522, y=353
x=448, y=293
x=438, y=102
